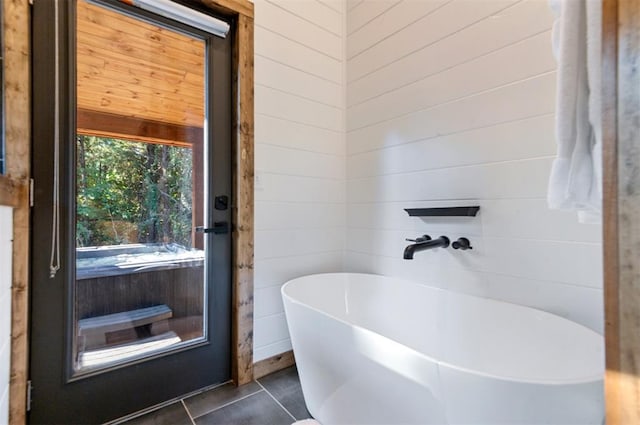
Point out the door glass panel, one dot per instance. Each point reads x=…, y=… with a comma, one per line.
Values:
x=140, y=287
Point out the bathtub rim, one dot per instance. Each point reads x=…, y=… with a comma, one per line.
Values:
x=577, y=381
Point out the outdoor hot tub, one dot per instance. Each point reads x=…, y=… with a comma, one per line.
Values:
x=112, y=260
x=136, y=299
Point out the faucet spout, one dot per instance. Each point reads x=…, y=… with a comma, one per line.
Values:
x=441, y=242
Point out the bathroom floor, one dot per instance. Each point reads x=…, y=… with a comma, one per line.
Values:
x=275, y=399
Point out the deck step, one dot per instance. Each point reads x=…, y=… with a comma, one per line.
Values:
x=93, y=330
x=118, y=353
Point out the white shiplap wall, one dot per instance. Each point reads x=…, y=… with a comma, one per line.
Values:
x=300, y=153
x=6, y=236
x=449, y=103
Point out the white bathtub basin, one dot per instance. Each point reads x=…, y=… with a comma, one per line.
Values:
x=378, y=350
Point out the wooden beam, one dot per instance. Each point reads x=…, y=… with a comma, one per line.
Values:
x=242, y=342
x=17, y=85
x=621, y=220
x=131, y=128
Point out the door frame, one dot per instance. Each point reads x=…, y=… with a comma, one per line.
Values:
x=621, y=208
x=16, y=28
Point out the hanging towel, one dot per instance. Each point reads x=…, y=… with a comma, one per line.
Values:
x=576, y=175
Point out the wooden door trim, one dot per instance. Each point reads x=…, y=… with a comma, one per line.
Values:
x=610, y=199
x=243, y=208
x=17, y=83
x=243, y=185
x=242, y=12
x=621, y=209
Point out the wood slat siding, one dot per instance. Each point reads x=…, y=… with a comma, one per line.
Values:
x=135, y=69
x=621, y=132
x=179, y=288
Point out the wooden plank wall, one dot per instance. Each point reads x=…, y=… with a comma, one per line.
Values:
x=621, y=132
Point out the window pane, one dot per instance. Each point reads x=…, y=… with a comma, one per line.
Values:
x=140, y=192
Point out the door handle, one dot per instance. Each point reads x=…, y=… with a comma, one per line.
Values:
x=219, y=228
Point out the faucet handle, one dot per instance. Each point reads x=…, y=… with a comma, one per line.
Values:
x=422, y=238
x=462, y=243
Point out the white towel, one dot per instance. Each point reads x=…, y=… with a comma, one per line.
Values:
x=576, y=174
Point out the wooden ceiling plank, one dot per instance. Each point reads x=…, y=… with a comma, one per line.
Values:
x=126, y=43
x=89, y=72
x=136, y=70
x=138, y=99
x=154, y=55
x=156, y=37
x=140, y=70
x=102, y=85
x=105, y=17
x=156, y=112
x=135, y=63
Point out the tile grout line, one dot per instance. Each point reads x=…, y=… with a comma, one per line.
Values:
x=229, y=403
x=184, y=405
x=276, y=400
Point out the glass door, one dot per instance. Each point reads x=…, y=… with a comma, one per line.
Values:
x=131, y=268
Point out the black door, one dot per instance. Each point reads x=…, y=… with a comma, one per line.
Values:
x=131, y=240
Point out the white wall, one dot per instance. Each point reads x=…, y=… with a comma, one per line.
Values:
x=300, y=155
x=451, y=103
x=447, y=103
x=6, y=236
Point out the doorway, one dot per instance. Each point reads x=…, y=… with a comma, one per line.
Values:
x=131, y=267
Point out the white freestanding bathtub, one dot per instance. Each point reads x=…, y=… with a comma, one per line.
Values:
x=377, y=350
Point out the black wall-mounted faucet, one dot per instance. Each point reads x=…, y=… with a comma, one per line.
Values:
x=423, y=243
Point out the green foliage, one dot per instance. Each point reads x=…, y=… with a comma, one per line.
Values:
x=130, y=192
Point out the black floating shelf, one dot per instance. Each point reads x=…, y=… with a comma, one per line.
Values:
x=443, y=212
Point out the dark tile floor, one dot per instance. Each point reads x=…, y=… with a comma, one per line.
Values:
x=275, y=399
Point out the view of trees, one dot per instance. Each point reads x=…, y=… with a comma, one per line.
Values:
x=132, y=192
